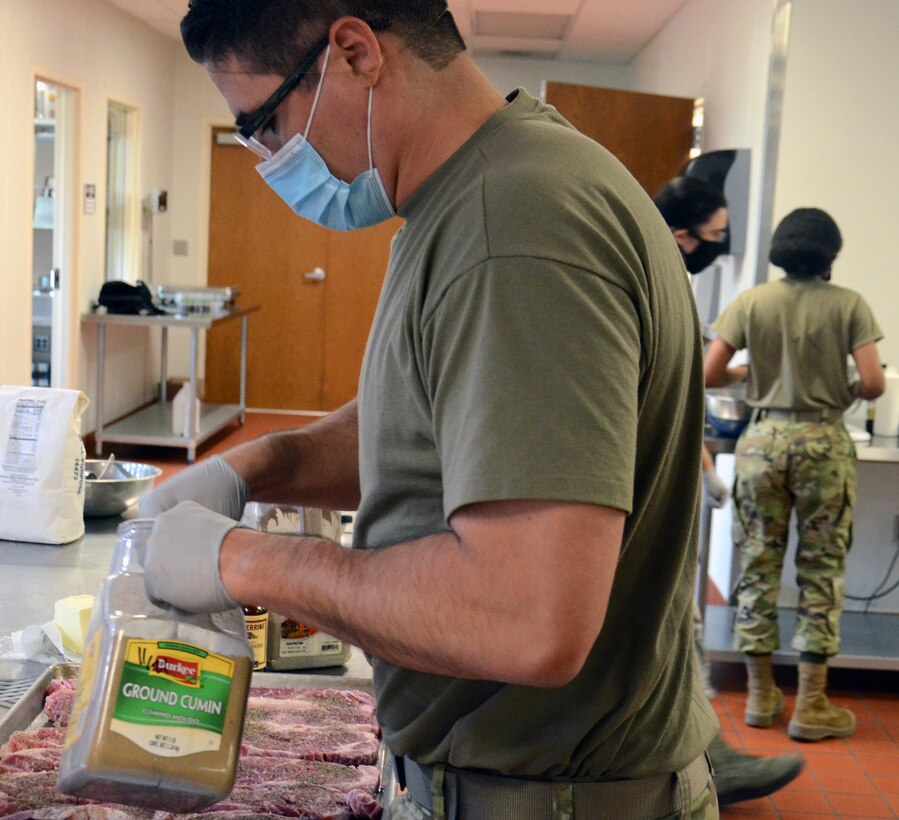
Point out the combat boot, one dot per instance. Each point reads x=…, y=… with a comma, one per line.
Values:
x=765, y=699
x=815, y=717
x=740, y=776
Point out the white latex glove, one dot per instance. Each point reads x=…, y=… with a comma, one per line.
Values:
x=213, y=483
x=181, y=565
x=715, y=492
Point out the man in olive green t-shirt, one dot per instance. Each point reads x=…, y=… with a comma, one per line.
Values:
x=524, y=453
x=796, y=453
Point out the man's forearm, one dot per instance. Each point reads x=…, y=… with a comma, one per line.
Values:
x=317, y=465
x=444, y=605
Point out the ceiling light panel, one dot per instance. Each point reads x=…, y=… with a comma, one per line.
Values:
x=515, y=24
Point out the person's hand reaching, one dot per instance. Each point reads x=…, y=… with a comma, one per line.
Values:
x=181, y=565
x=212, y=483
x=715, y=492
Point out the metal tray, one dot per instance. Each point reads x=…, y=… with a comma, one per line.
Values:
x=28, y=713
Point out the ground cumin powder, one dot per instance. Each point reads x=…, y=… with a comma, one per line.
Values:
x=161, y=698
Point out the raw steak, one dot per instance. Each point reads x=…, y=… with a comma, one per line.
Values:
x=31, y=760
x=312, y=707
x=338, y=744
x=255, y=770
x=291, y=738
x=73, y=813
x=47, y=737
x=58, y=703
x=28, y=791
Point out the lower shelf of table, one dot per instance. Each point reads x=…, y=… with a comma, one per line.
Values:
x=153, y=426
x=869, y=641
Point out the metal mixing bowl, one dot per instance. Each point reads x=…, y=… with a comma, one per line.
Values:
x=727, y=411
x=124, y=483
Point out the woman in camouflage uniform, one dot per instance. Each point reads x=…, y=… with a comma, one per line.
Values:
x=796, y=453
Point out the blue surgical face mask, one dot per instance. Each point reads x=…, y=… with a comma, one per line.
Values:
x=298, y=174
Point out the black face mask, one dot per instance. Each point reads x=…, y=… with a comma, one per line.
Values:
x=703, y=256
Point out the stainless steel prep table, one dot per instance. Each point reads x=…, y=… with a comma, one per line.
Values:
x=34, y=576
x=153, y=425
x=869, y=640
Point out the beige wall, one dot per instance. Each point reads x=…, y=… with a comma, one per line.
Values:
x=714, y=49
x=102, y=53
x=719, y=50
x=840, y=142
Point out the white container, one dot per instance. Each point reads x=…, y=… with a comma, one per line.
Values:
x=180, y=417
x=292, y=645
x=886, y=414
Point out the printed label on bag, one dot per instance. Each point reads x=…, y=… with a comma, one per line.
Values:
x=24, y=432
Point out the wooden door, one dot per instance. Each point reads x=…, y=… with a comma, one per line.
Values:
x=306, y=343
x=651, y=134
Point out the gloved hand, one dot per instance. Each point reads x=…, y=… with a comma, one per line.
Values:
x=715, y=492
x=213, y=483
x=181, y=564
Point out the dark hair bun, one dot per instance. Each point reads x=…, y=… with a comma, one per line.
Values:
x=805, y=242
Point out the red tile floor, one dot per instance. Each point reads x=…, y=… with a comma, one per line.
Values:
x=856, y=777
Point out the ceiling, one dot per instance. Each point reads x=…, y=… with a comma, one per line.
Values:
x=577, y=30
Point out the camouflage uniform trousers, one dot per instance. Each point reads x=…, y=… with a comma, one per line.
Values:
x=702, y=807
x=782, y=464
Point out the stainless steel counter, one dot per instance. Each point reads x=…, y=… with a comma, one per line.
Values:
x=153, y=425
x=34, y=576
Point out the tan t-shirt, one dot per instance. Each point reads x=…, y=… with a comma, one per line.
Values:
x=536, y=338
x=799, y=333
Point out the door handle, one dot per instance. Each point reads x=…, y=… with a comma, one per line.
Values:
x=315, y=275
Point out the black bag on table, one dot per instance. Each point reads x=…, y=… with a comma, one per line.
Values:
x=121, y=297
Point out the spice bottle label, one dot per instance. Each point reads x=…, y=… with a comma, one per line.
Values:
x=172, y=697
x=85, y=689
x=257, y=635
x=300, y=641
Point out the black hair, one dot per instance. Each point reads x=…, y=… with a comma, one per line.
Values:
x=805, y=243
x=273, y=36
x=688, y=202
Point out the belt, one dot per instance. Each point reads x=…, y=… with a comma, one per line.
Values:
x=466, y=794
x=826, y=414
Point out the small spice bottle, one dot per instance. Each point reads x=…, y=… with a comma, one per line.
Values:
x=256, y=620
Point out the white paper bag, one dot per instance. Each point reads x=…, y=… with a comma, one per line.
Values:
x=41, y=464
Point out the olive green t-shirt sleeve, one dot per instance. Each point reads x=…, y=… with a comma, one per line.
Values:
x=863, y=326
x=731, y=325
x=507, y=423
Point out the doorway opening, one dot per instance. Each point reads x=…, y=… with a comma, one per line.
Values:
x=53, y=233
x=122, y=206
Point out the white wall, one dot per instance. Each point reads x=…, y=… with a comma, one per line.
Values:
x=840, y=142
x=101, y=52
x=719, y=50
x=840, y=124
x=507, y=73
x=839, y=151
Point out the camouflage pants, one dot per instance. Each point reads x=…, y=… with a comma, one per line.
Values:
x=702, y=807
x=782, y=465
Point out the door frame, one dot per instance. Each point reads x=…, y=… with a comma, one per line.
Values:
x=132, y=223
x=65, y=342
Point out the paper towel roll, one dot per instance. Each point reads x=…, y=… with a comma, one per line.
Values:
x=886, y=412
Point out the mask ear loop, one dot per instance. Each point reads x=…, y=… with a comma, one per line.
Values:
x=318, y=91
x=371, y=92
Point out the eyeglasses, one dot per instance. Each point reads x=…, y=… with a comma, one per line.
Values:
x=713, y=236
x=248, y=126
